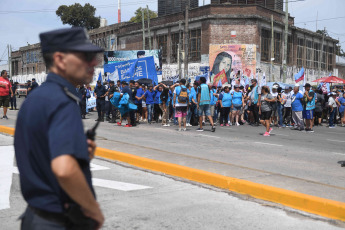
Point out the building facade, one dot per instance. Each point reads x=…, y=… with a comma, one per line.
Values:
x=270, y=4
x=215, y=24
x=166, y=7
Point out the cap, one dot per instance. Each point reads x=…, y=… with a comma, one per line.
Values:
x=307, y=85
x=132, y=81
x=123, y=82
x=296, y=85
x=111, y=82
x=33, y=79
x=287, y=87
x=71, y=39
x=333, y=94
x=236, y=86
x=275, y=87
x=28, y=81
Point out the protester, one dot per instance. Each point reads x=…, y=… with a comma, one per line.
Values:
x=139, y=92
x=237, y=104
x=341, y=103
x=144, y=112
x=204, y=100
x=297, y=108
x=287, y=107
x=193, y=101
x=157, y=109
x=124, y=92
x=332, y=109
x=14, y=97
x=165, y=100
x=213, y=104
x=255, y=99
x=100, y=93
x=181, y=101
x=320, y=101
x=275, y=105
x=149, y=99
x=5, y=92
x=265, y=109
x=309, y=106
x=225, y=101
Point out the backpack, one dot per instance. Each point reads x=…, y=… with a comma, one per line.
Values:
x=183, y=96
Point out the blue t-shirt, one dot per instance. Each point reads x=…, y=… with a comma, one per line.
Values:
x=150, y=97
x=296, y=102
x=341, y=101
x=157, y=99
x=214, y=99
x=178, y=90
x=49, y=126
x=226, y=99
x=192, y=95
x=140, y=92
x=237, y=98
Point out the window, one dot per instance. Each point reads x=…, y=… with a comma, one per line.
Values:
x=265, y=45
x=194, y=45
x=162, y=45
x=147, y=43
x=330, y=58
x=175, y=39
x=300, y=52
x=317, y=48
x=277, y=47
x=289, y=51
x=324, y=58
x=309, y=54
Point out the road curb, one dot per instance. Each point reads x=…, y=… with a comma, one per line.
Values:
x=312, y=204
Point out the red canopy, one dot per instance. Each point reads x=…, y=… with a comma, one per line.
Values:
x=331, y=79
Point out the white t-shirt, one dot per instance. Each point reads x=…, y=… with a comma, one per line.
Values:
x=287, y=97
x=331, y=102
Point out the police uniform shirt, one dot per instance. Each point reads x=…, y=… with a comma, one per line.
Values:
x=34, y=85
x=100, y=91
x=126, y=89
x=49, y=126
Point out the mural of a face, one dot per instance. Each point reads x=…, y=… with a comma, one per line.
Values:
x=225, y=64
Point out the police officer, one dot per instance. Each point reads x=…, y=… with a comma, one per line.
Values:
x=52, y=152
x=33, y=85
x=112, y=89
x=82, y=93
x=134, y=93
x=100, y=93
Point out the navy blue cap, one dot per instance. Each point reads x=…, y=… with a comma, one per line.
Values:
x=71, y=39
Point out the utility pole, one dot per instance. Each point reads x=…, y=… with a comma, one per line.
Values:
x=9, y=60
x=286, y=39
x=186, y=40
x=119, y=11
x=321, y=51
x=143, y=21
x=272, y=48
x=148, y=25
x=179, y=50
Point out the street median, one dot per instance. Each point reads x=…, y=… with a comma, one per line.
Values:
x=312, y=204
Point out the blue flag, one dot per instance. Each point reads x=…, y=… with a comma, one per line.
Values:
x=100, y=78
x=299, y=76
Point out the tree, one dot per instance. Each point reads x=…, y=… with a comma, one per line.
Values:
x=78, y=15
x=138, y=15
x=323, y=32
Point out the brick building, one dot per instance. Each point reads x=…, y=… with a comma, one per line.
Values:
x=213, y=24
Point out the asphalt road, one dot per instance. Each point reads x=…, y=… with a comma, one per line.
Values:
x=294, y=160
x=135, y=199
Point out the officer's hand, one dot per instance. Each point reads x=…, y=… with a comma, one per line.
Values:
x=91, y=148
x=96, y=215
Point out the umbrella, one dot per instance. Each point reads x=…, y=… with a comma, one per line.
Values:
x=168, y=83
x=144, y=81
x=331, y=79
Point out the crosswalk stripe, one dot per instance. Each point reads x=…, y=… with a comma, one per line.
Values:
x=6, y=165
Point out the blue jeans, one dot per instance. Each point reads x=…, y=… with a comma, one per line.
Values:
x=280, y=113
x=149, y=111
x=331, y=117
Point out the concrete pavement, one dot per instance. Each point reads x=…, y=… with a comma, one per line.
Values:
x=170, y=203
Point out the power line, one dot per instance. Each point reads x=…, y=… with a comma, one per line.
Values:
x=320, y=20
x=54, y=10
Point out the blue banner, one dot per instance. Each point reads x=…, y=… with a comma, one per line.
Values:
x=134, y=69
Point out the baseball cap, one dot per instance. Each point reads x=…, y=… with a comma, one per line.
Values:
x=70, y=39
x=275, y=87
x=296, y=85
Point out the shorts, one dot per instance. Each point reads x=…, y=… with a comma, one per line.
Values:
x=204, y=109
x=265, y=115
x=237, y=107
x=308, y=114
x=342, y=114
x=5, y=101
x=318, y=114
x=139, y=107
x=181, y=111
x=274, y=113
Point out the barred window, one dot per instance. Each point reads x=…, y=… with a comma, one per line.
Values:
x=330, y=58
x=194, y=45
x=147, y=43
x=289, y=51
x=309, y=58
x=317, y=48
x=324, y=58
x=162, y=45
x=277, y=47
x=265, y=45
x=300, y=52
x=175, y=39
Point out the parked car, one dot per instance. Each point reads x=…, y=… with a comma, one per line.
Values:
x=22, y=90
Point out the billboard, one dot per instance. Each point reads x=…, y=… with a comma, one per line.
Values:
x=111, y=57
x=231, y=59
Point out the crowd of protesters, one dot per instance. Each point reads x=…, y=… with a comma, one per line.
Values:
x=195, y=104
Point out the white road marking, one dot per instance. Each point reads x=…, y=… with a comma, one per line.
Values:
x=117, y=185
x=336, y=141
x=333, y=132
x=6, y=165
x=263, y=143
x=208, y=136
x=343, y=154
x=95, y=167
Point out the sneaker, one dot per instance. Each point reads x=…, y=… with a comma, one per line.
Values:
x=203, y=123
x=213, y=129
x=343, y=125
x=164, y=125
x=227, y=125
x=237, y=124
x=320, y=124
x=5, y=117
x=179, y=129
x=200, y=130
x=118, y=123
x=127, y=126
x=189, y=125
x=332, y=127
x=266, y=134
x=221, y=125
x=184, y=129
x=270, y=131
x=167, y=125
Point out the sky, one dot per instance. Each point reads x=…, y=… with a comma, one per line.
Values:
x=23, y=20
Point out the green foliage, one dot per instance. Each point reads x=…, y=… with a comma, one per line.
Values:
x=78, y=15
x=323, y=32
x=138, y=15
